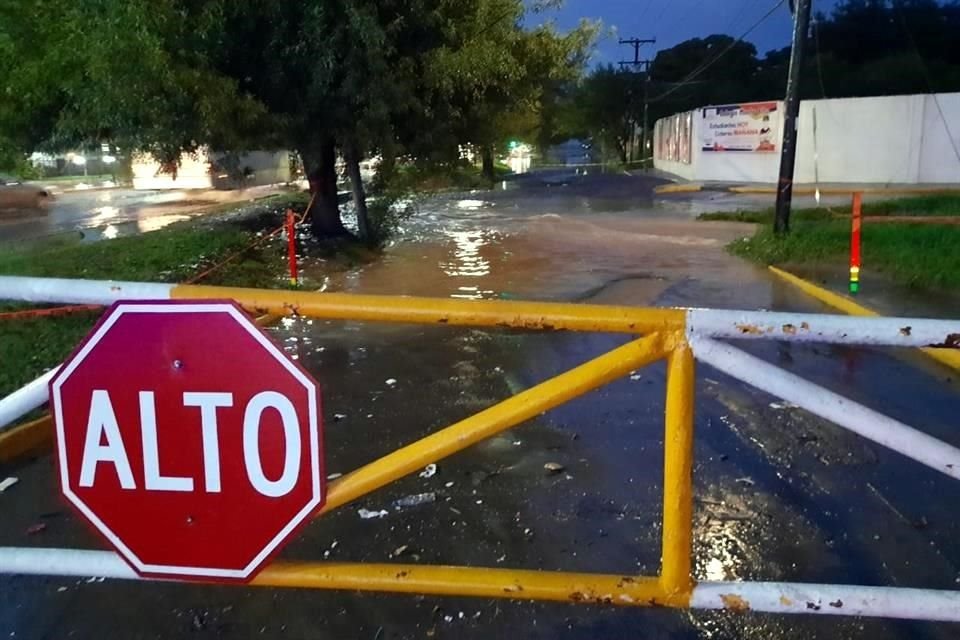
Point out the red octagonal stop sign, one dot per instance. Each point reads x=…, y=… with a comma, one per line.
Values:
x=188, y=439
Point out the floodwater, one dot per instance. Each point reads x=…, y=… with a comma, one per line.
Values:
x=780, y=495
x=104, y=214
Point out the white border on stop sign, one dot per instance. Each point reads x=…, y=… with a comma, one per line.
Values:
x=75, y=360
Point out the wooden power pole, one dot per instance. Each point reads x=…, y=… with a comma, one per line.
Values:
x=645, y=65
x=788, y=147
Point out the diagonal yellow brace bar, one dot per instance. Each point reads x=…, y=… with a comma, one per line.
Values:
x=520, y=584
x=30, y=438
x=497, y=418
x=479, y=313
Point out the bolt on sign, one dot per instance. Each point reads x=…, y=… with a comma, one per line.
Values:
x=188, y=439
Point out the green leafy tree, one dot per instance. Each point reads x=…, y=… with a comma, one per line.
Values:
x=362, y=76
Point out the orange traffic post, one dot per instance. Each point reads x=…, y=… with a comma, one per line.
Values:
x=856, y=223
x=292, y=245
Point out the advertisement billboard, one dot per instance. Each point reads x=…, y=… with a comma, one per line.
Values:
x=749, y=126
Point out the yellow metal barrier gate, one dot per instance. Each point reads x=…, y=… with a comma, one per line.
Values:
x=676, y=335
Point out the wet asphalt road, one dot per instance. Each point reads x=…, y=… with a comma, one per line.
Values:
x=780, y=495
x=101, y=214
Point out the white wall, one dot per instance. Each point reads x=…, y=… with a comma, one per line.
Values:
x=873, y=140
x=193, y=173
x=680, y=169
x=879, y=140
x=939, y=162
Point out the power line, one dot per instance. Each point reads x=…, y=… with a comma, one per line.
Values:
x=742, y=13
x=643, y=12
x=926, y=78
x=816, y=44
x=683, y=13
x=706, y=65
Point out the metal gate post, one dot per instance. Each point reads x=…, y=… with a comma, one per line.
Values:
x=675, y=575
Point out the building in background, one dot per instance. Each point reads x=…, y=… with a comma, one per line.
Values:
x=910, y=139
x=214, y=170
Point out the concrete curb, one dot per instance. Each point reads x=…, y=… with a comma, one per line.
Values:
x=678, y=187
x=948, y=357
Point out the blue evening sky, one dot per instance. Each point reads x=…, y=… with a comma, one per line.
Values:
x=673, y=21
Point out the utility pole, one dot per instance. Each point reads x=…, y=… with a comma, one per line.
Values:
x=645, y=65
x=788, y=148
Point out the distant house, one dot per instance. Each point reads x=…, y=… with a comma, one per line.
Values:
x=214, y=170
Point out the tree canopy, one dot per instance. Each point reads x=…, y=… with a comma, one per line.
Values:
x=313, y=76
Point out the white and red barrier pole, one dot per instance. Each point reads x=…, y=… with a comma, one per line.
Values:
x=856, y=222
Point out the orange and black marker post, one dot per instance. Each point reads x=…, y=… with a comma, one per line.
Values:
x=857, y=220
x=292, y=245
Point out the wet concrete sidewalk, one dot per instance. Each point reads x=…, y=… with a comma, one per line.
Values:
x=780, y=495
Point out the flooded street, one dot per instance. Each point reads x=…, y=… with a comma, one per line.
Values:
x=780, y=494
x=104, y=214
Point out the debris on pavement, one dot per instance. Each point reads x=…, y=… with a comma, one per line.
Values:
x=34, y=529
x=366, y=514
x=337, y=417
x=636, y=377
x=333, y=476
x=6, y=483
x=429, y=471
x=400, y=550
x=414, y=500
x=390, y=382
x=784, y=405
x=745, y=480
x=553, y=467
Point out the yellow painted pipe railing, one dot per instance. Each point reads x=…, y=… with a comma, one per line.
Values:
x=662, y=332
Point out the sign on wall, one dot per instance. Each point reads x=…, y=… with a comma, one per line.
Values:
x=748, y=126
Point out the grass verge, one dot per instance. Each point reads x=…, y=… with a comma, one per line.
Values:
x=933, y=204
x=923, y=256
x=28, y=347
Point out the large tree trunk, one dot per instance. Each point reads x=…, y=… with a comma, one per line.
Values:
x=486, y=155
x=352, y=157
x=320, y=167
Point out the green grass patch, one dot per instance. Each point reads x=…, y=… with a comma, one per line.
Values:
x=765, y=216
x=932, y=204
x=918, y=255
x=30, y=346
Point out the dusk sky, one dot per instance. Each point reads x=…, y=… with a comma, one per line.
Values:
x=673, y=21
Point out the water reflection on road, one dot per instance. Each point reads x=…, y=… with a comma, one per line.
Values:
x=780, y=495
x=605, y=239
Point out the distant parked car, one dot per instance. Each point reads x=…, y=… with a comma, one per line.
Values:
x=17, y=195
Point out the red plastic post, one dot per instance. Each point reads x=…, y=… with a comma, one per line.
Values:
x=856, y=222
x=292, y=245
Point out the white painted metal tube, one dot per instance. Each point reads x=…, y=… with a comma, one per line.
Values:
x=64, y=562
x=831, y=406
x=26, y=399
x=65, y=290
x=809, y=327
x=828, y=599
x=777, y=597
